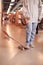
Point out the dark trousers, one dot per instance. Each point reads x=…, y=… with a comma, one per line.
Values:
x=37, y=30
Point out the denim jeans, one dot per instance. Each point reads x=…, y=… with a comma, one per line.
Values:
x=30, y=32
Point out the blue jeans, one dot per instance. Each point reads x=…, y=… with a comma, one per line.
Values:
x=30, y=32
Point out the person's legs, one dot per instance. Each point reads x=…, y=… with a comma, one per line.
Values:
x=28, y=36
x=28, y=33
x=34, y=26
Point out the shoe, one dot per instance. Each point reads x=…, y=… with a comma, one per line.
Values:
x=27, y=46
x=23, y=47
x=31, y=46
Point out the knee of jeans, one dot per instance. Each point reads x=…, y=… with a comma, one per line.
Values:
x=28, y=28
x=33, y=32
x=28, y=31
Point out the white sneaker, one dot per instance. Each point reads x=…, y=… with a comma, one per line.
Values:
x=31, y=46
x=27, y=46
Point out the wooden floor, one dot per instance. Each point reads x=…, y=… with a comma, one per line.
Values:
x=11, y=36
